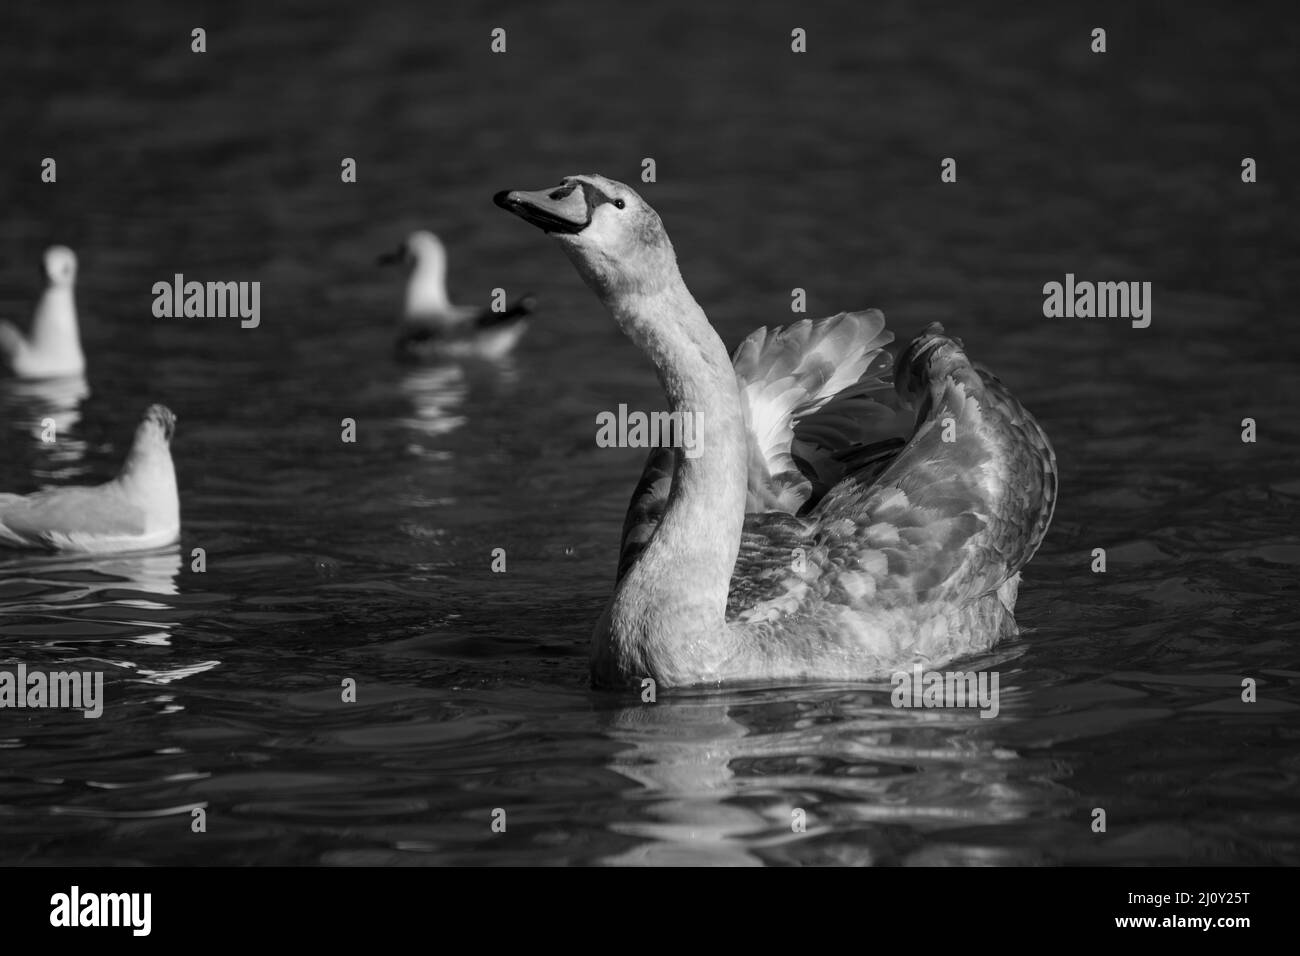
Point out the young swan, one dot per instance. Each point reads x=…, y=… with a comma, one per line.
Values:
x=431, y=326
x=54, y=347
x=138, y=509
x=807, y=535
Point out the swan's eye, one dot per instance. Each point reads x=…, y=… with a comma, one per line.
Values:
x=619, y=204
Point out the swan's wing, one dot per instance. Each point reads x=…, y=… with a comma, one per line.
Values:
x=773, y=552
x=966, y=502
x=68, y=515
x=809, y=391
x=647, y=506
x=960, y=509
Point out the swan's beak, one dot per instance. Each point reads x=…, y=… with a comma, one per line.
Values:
x=562, y=209
x=392, y=258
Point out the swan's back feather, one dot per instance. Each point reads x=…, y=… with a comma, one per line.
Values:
x=772, y=546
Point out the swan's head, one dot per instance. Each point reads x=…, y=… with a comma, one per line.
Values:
x=612, y=235
x=156, y=428
x=60, y=266
x=421, y=249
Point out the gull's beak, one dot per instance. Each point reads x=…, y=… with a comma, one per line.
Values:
x=561, y=209
x=392, y=258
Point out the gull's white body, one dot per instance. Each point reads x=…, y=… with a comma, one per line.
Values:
x=138, y=509
x=53, y=348
x=431, y=325
x=829, y=529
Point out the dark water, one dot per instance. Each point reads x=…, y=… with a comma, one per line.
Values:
x=371, y=560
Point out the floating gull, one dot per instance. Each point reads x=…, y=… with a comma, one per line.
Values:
x=54, y=347
x=138, y=509
x=431, y=327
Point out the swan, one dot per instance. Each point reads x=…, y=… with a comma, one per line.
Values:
x=830, y=526
x=54, y=347
x=431, y=326
x=138, y=509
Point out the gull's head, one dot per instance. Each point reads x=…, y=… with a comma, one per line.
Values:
x=60, y=266
x=612, y=235
x=156, y=428
x=421, y=249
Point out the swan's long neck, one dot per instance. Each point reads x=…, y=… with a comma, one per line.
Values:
x=669, y=610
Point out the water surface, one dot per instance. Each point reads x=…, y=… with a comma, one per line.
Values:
x=371, y=561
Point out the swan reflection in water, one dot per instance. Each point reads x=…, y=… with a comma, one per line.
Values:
x=716, y=774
